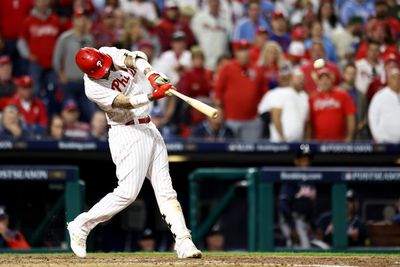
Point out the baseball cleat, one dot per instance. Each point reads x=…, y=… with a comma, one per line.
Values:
x=77, y=241
x=186, y=249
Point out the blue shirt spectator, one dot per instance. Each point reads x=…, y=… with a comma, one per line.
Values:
x=328, y=45
x=317, y=33
x=279, y=31
x=246, y=27
x=11, y=126
x=356, y=8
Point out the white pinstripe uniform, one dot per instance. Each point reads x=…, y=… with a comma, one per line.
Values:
x=138, y=151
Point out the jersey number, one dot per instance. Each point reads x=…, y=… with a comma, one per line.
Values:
x=115, y=85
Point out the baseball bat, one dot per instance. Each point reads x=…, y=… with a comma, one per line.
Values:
x=200, y=106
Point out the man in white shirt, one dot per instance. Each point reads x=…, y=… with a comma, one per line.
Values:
x=289, y=109
x=212, y=29
x=368, y=68
x=384, y=111
x=137, y=147
x=175, y=61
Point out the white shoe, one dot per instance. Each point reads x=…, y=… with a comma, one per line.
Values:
x=186, y=249
x=77, y=240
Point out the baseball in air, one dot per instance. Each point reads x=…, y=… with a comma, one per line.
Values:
x=319, y=63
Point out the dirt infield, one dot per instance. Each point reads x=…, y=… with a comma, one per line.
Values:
x=132, y=259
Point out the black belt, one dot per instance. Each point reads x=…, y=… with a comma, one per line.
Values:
x=137, y=121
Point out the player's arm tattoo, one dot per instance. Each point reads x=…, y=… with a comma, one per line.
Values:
x=125, y=102
x=129, y=61
x=121, y=101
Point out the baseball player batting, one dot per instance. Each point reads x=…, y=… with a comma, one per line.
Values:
x=136, y=146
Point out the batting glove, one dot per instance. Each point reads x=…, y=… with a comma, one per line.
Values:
x=157, y=79
x=161, y=91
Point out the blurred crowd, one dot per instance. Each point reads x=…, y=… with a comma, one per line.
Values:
x=251, y=59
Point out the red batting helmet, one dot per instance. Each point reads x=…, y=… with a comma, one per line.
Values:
x=93, y=62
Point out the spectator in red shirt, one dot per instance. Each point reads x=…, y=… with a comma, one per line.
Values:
x=377, y=31
x=31, y=108
x=12, y=15
x=332, y=111
x=317, y=51
x=171, y=23
x=36, y=43
x=258, y=43
x=382, y=14
x=74, y=129
x=238, y=90
x=197, y=83
x=10, y=238
x=7, y=86
x=391, y=61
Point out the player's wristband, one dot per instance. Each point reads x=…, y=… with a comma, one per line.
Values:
x=139, y=100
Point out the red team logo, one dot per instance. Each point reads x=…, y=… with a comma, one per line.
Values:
x=120, y=82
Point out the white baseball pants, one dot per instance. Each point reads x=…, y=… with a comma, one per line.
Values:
x=138, y=151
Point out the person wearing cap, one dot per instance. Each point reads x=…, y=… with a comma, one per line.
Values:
x=31, y=109
x=279, y=30
x=296, y=203
x=382, y=14
x=170, y=23
x=356, y=229
x=360, y=8
x=36, y=43
x=346, y=40
x=296, y=53
x=177, y=60
x=69, y=75
x=11, y=239
x=288, y=108
x=7, y=86
x=377, y=31
x=332, y=112
x=359, y=101
x=369, y=68
x=261, y=38
x=147, y=241
x=215, y=239
x=74, y=129
x=317, y=51
x=241, y=84
x=391, y=60
x=212, y=30
x=11, y=125
x=384, y=111
x=245, y=28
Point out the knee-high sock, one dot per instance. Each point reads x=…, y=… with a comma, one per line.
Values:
x=171, y=212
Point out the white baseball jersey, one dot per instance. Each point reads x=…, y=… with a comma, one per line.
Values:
x=104, y=91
